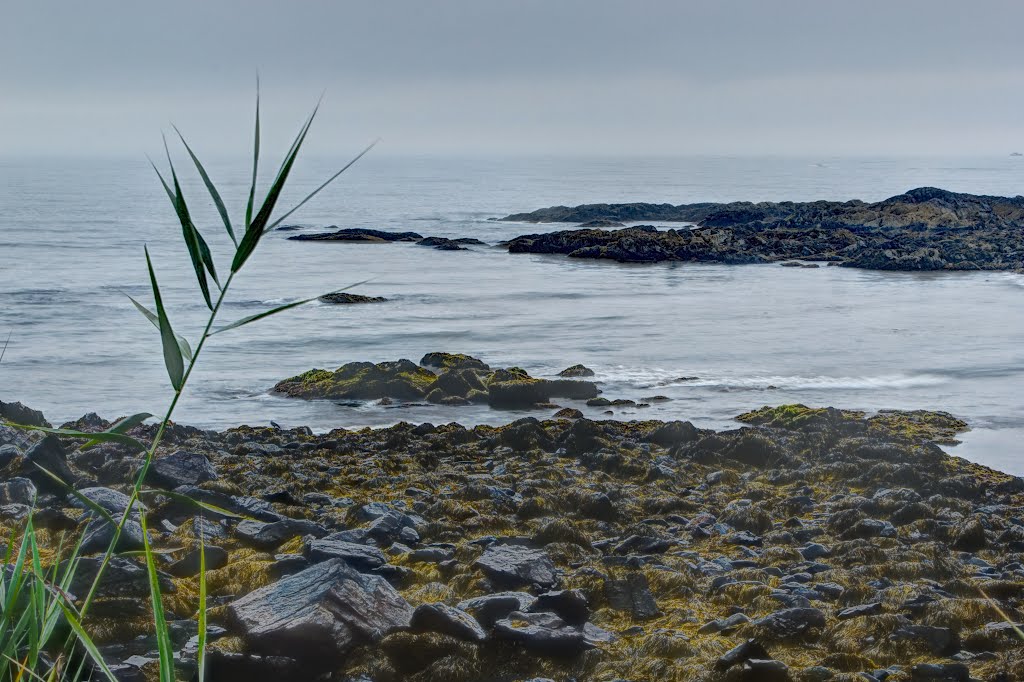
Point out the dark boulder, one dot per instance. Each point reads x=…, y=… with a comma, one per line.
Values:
x=180, y=468
x=19, y=414
x=631, y=594
x=447, y=621
x=344, y=298
x=358, y=234
x=576, y=371
x=359, y=557
x=509, y=566
x=319, y=614
x=493, y=607
x=268, y=536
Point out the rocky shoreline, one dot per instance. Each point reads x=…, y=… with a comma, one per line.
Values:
x=923, y=229
x=807, y=544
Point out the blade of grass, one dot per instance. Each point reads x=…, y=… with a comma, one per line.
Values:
x=122, y=427
x=196, y=503
x=172, y=354
x=87, y=643
x=163, y=637
x=211, y=188
x=259, y=222
x=189, y=233
x=3, y=351
x=325, y=183
x=101, y=436
x=90, y=504
x=255, y=160
x=201, y=654
x=274, y=311
x=186, y=350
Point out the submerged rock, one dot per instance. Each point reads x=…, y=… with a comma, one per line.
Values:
x=343, y=298
x=576, y=371
x=358, y=234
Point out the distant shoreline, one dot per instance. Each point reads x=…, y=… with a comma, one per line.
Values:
x=924, y=229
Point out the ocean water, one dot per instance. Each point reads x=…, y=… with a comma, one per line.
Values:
x=72, y=233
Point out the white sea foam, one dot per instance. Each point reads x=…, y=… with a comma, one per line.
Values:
x=654, y=378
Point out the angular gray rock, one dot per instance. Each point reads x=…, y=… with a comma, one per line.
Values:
x=493, y=607
x=181, y=468
x=188, y=565
x=510, y=566
x=544, y=633
x=49, y=454
x=17, y=491
x=631, y=594
x=569, y=605
x=359, y=557
x=791, y=622
x=319, y=614
x=447, y=620
x=271, y=535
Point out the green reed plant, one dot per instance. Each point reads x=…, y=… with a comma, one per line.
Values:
x=36, y=603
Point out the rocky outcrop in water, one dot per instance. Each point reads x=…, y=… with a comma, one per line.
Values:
x=344, y=298
x=924, y=229
x=814, y=544
x=442, y=378
x=361, y=235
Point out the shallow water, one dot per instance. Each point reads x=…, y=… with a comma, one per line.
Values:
x=72, y=231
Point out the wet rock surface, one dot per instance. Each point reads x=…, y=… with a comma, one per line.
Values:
x=442, y=378
x=924, y=229
x=808, y=544
x=345, y=298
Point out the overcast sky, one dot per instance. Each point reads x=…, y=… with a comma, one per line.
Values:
x=814, y=77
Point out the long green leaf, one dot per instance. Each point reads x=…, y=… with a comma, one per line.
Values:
x=172, y=354
x=201, y=654
x=17, y=575
x=122, y=426
x=163, y=637
x=280, y=309
x=186, y=350
x=90, y=504
x=211, y=188
x=325, y=183
x=189, y=232
x=198, y=249
x=3, y=351
x=101, y=436
x=255, y=160
x=196, y=503
x=86, y=641
x=257, y=227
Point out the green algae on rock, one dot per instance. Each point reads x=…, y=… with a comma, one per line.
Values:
x=459, y=380
x=914, y=425
x=820, y=543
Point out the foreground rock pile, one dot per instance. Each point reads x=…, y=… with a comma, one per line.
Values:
x=814, y=544
x=924, y=229
x=443, y=378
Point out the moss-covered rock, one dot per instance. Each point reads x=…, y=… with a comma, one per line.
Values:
x=403, y=380
x=449, y=361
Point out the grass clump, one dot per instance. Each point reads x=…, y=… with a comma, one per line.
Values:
x=44, y=629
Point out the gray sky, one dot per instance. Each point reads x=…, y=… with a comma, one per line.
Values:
x=811, y=77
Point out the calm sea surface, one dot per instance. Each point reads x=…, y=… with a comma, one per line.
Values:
x=72, y=232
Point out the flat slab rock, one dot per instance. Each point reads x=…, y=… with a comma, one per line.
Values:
x=319, y=614
x=512, y=566
x=548, y=634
